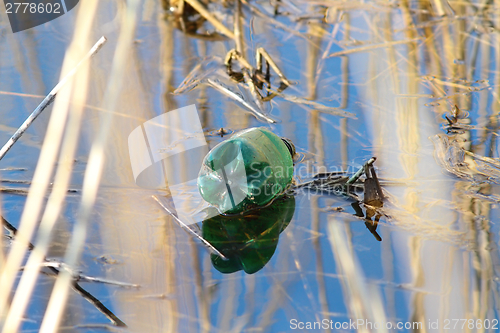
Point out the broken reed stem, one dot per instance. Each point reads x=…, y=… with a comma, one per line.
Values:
x=49, y=99
x=41, y=178
x=186, y=228
x=360, y=171
x=238, y=98
x=57, y=197
x=93, y=172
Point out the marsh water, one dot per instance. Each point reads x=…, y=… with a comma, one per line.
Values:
x=420, y=85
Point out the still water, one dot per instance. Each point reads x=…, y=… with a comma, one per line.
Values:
x=397, y=69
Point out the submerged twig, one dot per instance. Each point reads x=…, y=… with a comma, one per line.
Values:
x=13, y=230
x=185, y=227
x=54, y=267
x=77, y=276
x=98, y=305
x=22, y=191
x=49, y=99
x=238, y=98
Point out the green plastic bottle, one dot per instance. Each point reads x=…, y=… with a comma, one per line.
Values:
x=249, y=170
x=249, y=240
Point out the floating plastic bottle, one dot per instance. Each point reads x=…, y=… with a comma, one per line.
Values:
x=249, y=170
x=248, y=241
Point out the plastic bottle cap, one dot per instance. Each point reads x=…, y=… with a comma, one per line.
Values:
x=289, y=144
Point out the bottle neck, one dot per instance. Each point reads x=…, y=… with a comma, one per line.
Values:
x=289, y=144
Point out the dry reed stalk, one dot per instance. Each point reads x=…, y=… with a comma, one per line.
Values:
x=93, y=171
x=54, y=205
x=48, y=100
x=41, y=181
x=360, y=300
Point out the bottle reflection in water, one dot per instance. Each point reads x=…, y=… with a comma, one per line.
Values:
x=248, y=241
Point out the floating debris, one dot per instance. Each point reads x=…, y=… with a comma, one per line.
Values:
x=220, y=132
x=249, y=170
x=456, y=121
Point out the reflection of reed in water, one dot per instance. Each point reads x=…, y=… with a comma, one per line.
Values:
x=440, y=66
